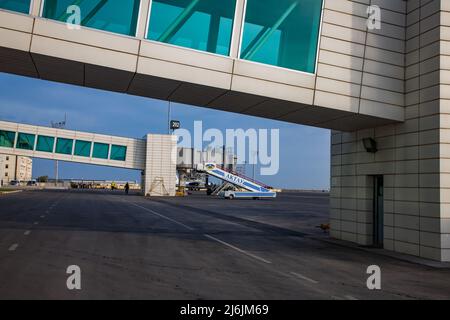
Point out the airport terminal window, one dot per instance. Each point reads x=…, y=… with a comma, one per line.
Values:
x=7, y=139
x=22, y=6
x=25, y=141
x=82, y=148
x=117, y=16
x=45, y=144
x=64, y=146
x=197, y=24
x=118, y=153
x=101, y=150
x=282, y=33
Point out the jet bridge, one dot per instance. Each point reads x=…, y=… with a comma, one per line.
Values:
x=153, y=154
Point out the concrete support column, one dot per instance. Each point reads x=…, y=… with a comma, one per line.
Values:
x=160, y=165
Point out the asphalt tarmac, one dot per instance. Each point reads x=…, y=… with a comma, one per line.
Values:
x=197, y=247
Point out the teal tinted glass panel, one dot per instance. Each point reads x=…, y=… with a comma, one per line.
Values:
x=22, y=6
x=82, y=148
x=197, y=24
x=118, y=153
x=117, y=16
x=100, y=151
x=64, y=146
x=282, y=33
x=7, y=138
x=45, y=144
x=25, y=141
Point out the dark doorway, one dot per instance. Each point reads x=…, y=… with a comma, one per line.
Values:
x=378, y=211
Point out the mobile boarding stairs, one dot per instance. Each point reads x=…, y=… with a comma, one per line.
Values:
x=241, y=186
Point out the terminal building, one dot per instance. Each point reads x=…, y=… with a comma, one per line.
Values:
x=382, y=90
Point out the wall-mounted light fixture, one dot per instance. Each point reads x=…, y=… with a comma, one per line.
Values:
x=370, y=145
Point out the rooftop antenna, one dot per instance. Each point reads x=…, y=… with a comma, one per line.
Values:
x=58, y=125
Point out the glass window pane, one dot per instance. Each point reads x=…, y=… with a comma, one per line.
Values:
x=64, y=146
x=7, y=138
x=25, y=141
x=117, y=16
x=82, y=148
x=45, y=144
x=118, y=153
x=282, y=33
x=198, y=24
x=101, y=150
x=22, y=6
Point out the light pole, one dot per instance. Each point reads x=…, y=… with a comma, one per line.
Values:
x=58, y=125
x=169, y=107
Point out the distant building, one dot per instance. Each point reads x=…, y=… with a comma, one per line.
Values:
x=15, y=168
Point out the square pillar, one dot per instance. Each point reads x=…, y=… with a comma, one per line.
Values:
x=159, y=177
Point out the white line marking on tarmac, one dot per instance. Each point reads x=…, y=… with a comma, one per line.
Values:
x=26, y=233
x=237, y=249
x=13, y=247
x=298, y=275
x=161, y=216
x=206, y=235
x=36, y=222
x=350, y=297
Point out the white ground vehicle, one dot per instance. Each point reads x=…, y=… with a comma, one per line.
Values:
x=231, y=194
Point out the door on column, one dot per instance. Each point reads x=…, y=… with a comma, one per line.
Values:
x=378, y=211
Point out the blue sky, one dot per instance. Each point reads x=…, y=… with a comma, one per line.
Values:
x=304, y=151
